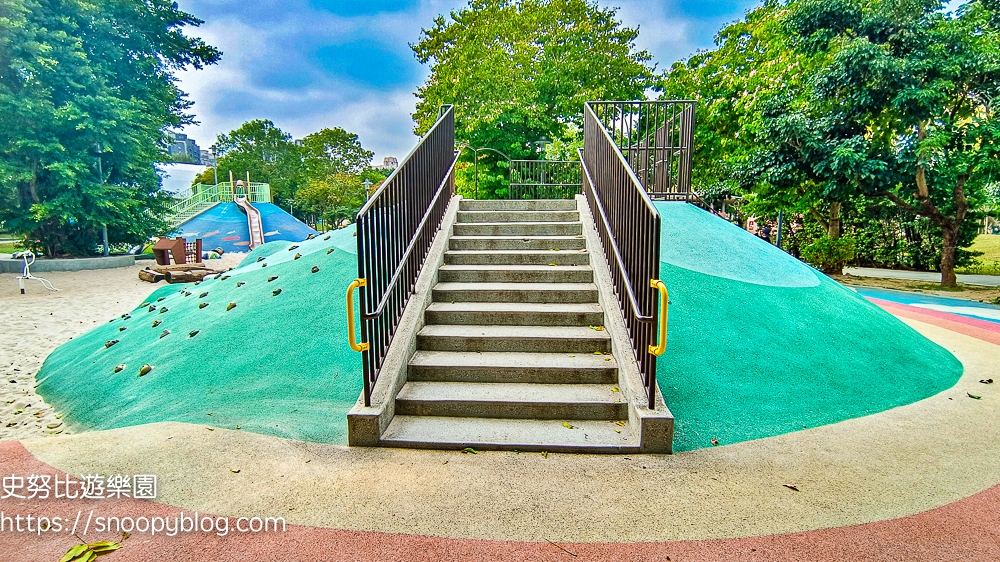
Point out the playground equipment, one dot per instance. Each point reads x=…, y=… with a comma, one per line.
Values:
x=254, y=222
x=29, y=258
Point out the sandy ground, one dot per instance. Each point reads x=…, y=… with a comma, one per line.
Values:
x=37, y=322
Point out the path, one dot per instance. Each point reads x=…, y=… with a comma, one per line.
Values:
x=985, y=280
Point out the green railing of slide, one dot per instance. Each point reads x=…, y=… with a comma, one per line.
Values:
x=201, y=198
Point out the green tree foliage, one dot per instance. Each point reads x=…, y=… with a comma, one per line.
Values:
x=519, y=71
x=323, y=173
x=266, y=152
x=906, y=96
x=86, y=92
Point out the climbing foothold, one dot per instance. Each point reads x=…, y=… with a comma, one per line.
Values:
x=202, y=305
x=315, y=268
x=144, y=304
x=263, y=264
x=260, y=259
x=152, y=307
x=327, y=237
x=127, y=317
x=157, y=323
x=276, y=292
x=230, y=306
x=241, y=283
x=161, y=299
x=120, y=368
x=297, y=256
x=224, y=277
x=164, y=333
x=163, y=309
x=292, y=247
x=272, y=278
x=187, y=294
x=330, y=251
x=110, y=343
x=122, y=328
x=145, y=369
x=203, y=295
x=310, y=237
x=193, y=333
x=197, y=282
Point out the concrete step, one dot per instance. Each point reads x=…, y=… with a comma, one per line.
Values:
x=515, y=292
x=512, y=400
x=515, y=313
x=516, y=243
x=540, y=368
x=515, y=274
x=540, y=339
x=517, y=205
x=509, y=434
x=518, y=229
x=516, y=257
x=517, y=216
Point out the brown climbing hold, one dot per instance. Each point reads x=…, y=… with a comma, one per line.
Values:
x=164, y=334
x=203, y=295
x=202, y=305
x=276, y=292
x=292, y=247
x=297, y=256
x=330, y=251
x=272, y=278
x=145, y=369
x=230, y=306
x=315, y=268
x=120, y=368
x=110, y=343
x=241, y=283
x=157, y=323
x=193, y=333
x=123, y=328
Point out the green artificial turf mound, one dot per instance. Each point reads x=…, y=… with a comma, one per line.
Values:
x=275, y=363
x=748, y=359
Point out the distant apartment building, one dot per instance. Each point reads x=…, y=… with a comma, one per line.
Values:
x=183, y=149
x=207, y=159
x=388, y=163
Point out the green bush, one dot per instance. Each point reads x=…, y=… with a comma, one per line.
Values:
x=829, y=255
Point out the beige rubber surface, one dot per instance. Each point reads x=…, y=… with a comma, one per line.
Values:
x=892, y=464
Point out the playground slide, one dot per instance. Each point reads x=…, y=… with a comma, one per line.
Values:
x=253, y=220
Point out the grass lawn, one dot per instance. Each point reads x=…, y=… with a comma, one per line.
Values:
x=971, y=292
x=989, y=262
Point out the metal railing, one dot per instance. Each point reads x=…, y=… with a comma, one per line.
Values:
x=202, y=197
x=544, y=179
x=629, y=228
x=656, y=139
x=395, y=230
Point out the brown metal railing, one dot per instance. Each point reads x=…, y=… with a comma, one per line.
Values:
x=396, y=228
x=544, y=179
x=629, y=228
x=656, y=139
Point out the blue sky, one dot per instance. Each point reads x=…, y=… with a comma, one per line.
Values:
x=309, y=64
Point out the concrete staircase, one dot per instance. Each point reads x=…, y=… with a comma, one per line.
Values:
x=509, y=357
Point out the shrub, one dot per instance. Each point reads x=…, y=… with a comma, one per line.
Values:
x=829, y=255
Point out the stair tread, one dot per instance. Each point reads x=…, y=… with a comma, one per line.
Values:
x=521, y=434
x=509, y=392
x=513, y=332
x=502, y=359
x=460, y=286
x=529, y=307
x=518, y=237
x=511, y=267
x=513, y=252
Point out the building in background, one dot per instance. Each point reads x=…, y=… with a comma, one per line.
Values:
x=207, y=159
x=388, y=163
x=183, y=149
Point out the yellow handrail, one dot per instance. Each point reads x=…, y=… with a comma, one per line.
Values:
x=664, y=302
x=359, y=282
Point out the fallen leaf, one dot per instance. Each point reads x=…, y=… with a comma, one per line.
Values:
x=615, y=389
x=234, y=470
x=568, y=425
x=469, y=451
x=976, y=397
x=715, y=441
x=598, y=328
x=791, y=487
x=545, y=454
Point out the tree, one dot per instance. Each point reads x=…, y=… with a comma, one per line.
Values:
x=331, y=151
x=519, y=71
x=910, y=93
x=333, y=198
x=87, y=91
x=266, y=152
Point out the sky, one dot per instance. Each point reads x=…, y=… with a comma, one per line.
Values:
x=310, y=64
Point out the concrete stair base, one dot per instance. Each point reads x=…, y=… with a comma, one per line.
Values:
x=427, y=432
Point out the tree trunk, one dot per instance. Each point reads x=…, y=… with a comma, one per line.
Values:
x=833, y=225
x=948, y=278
